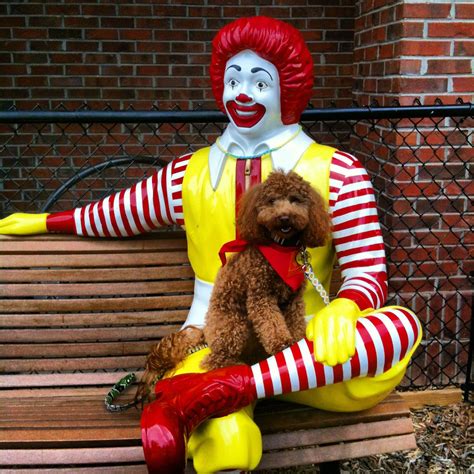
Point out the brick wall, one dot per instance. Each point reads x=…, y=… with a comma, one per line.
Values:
x=144, y=53
x=408, y=50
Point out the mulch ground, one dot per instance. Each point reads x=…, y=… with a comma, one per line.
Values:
x=445, y=439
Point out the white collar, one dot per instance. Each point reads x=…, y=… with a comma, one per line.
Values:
x=284, y=158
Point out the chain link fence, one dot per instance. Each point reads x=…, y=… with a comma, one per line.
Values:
x=419, y=159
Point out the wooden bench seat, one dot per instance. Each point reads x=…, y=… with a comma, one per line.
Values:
x=77, y=314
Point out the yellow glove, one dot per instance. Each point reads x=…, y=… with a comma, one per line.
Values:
x=332, y=331
x=24, y=224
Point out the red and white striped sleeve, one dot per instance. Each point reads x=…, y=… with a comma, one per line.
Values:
x=152, y=203
x=357, y=236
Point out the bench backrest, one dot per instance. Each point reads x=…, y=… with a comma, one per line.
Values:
x=82, y=312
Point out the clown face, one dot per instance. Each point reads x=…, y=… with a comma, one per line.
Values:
x=252, y=94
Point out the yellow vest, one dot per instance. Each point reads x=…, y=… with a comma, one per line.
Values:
x=209, y=214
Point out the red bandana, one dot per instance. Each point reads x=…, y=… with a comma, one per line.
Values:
x=281, y=259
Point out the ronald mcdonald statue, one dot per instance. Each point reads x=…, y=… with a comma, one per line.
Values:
x=356, y=349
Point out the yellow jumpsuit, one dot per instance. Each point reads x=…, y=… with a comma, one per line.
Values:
x=234, y=441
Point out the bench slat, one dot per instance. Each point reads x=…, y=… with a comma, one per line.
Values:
x=96, y=289
x=106, y=379
x=92, y=319
x=327, y=453
x=70, y=364
x=90, y=245
x=129, y=469
x=93, y=260
x=76, y=349
x=40, y=457
x=359, y=431
x=96, y=274
x=301, y=417
x=95, y=304
x=86, y=334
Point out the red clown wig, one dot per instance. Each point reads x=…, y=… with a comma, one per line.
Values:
x=277, y=42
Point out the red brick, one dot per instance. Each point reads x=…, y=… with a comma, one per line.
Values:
x=135, y=10
x=65, y=33
x=72, y=81
x=117, y=70
x=464, y=10
x=26, y=9
x=152, y=70
x=422, y=85
x=135, y=34
x=101, y=34
x=98, y=10
x=464, y=48
x=450, y=30
x=97, y=81
x=31, y=33
x=136, y=82
x=169, y=10
x=47, y=46
x=81, y=22
x=431, y=10
x=135, y=58
x=410, y=29
x=425, y=48
x=46, y=70
x=10, y=21
x=82, y=69
x=66, y=57
x=119, y=46
x=69, y=9
x=117, y=22
x=450, y=66
x=154, y=23
x=463, y=84
x=82, y=46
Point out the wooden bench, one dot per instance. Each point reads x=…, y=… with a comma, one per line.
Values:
x=77, y=314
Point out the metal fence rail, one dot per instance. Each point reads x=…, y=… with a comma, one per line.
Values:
x=418, y=157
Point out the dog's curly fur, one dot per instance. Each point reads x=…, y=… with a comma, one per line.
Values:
x=252, y=312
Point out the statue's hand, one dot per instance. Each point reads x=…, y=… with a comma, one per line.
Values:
x=24, y=224
x=333, y=331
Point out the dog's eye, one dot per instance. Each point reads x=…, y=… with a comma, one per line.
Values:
x=271, y=200
x=295, y=199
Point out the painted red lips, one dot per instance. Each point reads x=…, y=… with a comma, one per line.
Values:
x=245, y=116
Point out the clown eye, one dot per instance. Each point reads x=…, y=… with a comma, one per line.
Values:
x=233, y=83
x=261, y=85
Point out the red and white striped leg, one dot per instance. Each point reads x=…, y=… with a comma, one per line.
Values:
x=383, y=338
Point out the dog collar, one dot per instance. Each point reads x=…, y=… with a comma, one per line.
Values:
x=281, y=259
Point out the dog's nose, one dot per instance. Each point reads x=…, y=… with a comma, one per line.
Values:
x=284, y=220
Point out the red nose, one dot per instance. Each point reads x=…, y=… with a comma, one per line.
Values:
x=245, y=99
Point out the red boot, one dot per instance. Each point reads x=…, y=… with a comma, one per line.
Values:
x=182, y=403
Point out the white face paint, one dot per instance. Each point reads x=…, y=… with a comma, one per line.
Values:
x=252, y=94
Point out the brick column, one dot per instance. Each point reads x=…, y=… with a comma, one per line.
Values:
x=406, y=50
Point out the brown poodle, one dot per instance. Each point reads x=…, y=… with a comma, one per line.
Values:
x=253, y=312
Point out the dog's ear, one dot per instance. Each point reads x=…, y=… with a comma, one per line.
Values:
x=319, y=227
x=247, y=226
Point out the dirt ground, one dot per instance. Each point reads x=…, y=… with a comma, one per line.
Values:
x=445, y=439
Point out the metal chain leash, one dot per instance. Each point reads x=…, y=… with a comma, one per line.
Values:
x=309, y=274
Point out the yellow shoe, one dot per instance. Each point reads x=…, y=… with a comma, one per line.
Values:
x=230, y=442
